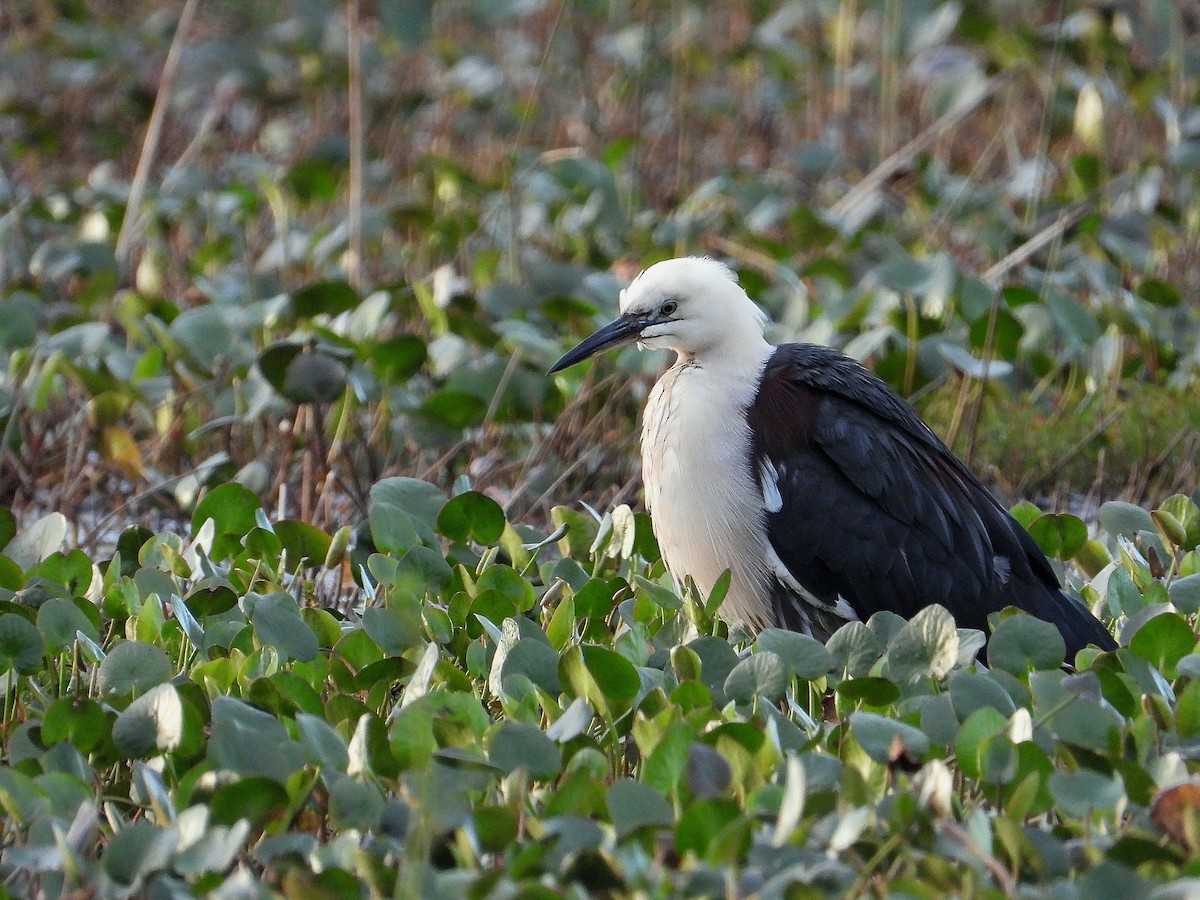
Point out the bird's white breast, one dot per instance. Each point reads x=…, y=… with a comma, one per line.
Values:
x=707, y=511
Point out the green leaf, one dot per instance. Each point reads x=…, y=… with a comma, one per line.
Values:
x=515, y=745
x=399, y=358
x=1163, y=641
x=1080, y=793
x=152, y=721
x=251, y=742
x=232, y=508
x=355, y=804
x=1021, y=642
x=761, y=673
x=139, y=849
x=633, y=805
x=256, y=799
x=603, y=678
x=302, y=541
x=21, y=646
x=38, y=541
x=805, y=656
x=1118, y=517
x=133, y=667
x=926, y=647
x=1159, y=292
x=883, y=738
x=472, y=515
x=278, y=623
x=324, y=298
x=1059, y=536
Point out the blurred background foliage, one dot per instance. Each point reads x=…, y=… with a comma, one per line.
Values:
x=306, y=245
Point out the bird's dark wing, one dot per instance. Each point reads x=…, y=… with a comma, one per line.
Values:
x=866, y=505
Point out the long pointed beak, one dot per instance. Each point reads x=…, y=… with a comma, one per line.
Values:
x=614, y=334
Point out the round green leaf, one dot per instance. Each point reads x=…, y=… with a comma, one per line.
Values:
x=137, y=850
x=21, y=646
x=762, y=673
x=398, y=359
x=881, y=737
x=1163, y=641
x=926, y=646
x=231, y=507
x=805, y=656
x=1059, y=536
x=278, y=623
x=472, y=515
x=256, y=799
x=152, y=721
x=515, y=745
x=133, y=667
x=324, y=297
x=355, y=804
x=303, y=541
x=633, y=805
x=59, y=619
x=1021, y=642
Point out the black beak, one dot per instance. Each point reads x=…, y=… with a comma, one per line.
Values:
x=614, y=334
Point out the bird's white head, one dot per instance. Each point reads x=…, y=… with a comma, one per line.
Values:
x=694, y=306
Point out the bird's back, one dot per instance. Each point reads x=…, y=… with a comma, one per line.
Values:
x=879, y=513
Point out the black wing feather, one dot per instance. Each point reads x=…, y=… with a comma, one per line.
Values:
x=877, y=510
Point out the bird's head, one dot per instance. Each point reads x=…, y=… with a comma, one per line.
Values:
x=691, y=305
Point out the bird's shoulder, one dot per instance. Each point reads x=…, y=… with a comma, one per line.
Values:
x=800, y=384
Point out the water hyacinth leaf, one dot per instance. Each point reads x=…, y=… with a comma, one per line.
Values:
x=38, y=541
x=215, y=852
x=154, y=721
x=314, y=376
x=354, y=804
x=403, y=513
x=83, y=722
x=871, y=691
x=395, y=629
x=708, y=773
x=762, y=673
x=883, y=738
x=1163, y=641
x=927, y=646
x=324, y=298
x=603, y=678
x=1021, y=642
x=233, y=510
x=805, y=656
x=251, y=742
x=535, y=660
x=1119, y=517
x=472, y=515
x=633, y=805
x=572, y=723
x=256, y=799
x=1159, y=292
x=1185, y=593
x=515, y=745
x=399, y=358
x=59, y=619
x=303, y=542
x=138, y=850
x=133, y=668
x=21, y=646
x=1080, y=793
x=322, y=744
x=278, y=623
x=1059, y=536
x=496, y=827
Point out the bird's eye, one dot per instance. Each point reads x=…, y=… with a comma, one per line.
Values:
x=668, y=308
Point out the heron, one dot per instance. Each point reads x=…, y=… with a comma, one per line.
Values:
x=814, y=483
